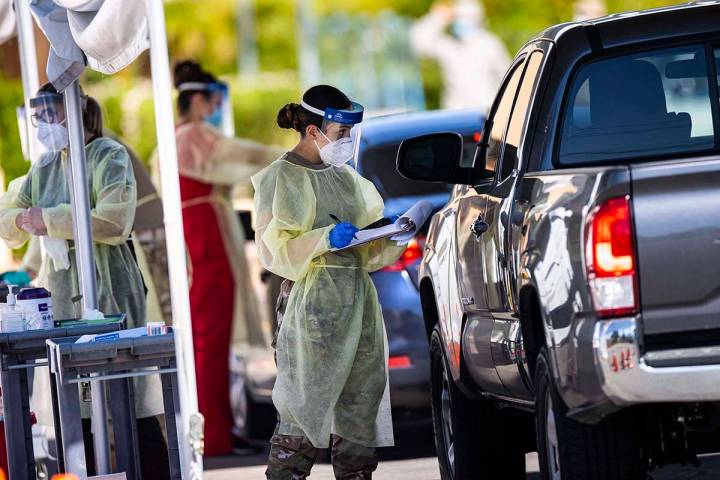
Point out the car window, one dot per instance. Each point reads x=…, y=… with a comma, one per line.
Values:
x=377, y=164
x=639, y=105
x=501, y=117
x=519, y=113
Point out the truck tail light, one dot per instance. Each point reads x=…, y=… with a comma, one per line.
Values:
x=610, y=256
x=412, y=254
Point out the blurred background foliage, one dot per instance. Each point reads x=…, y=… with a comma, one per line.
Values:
x=206, y=31
x=11, y=160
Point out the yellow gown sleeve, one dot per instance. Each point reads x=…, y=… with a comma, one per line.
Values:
x=380, y=253
x=235, y=160
x=208, y=156
x=284, y=216
x=12, y=203
x=114, y=193
x=32, y=260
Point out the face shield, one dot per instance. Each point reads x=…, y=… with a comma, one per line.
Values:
x=47, y=121
x=340, y=132
x=24, y=132
x=221, y=116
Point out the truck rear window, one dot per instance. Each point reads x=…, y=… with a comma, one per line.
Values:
x=641, y=105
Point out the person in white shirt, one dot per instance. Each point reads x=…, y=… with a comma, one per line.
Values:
x=473, y=60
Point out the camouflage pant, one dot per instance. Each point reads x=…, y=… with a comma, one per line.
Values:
x=292, y=457
x=282, y=301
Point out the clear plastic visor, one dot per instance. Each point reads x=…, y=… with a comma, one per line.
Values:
x=48, y=122
x=220, y=99
x=47, y=108
x=343, y=141
x=340, y=131
x=336, y=131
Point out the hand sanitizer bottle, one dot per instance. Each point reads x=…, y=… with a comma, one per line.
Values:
x=12, y=318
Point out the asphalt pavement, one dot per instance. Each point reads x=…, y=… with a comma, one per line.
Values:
x=414, y=459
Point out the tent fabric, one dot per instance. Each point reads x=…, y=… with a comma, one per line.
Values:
x=7, y=21
x=105, y=35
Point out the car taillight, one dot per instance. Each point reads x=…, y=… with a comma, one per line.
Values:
x=610, y=256
x=399, y=361
x=412, y=254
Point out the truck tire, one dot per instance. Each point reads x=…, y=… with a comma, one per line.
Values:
x=609, y=450
x=472, y=441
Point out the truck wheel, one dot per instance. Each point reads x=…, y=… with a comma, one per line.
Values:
x=571, y=450
x=470, y=440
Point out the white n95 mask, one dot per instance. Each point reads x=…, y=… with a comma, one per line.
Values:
x=337, y=153
x=53, y=136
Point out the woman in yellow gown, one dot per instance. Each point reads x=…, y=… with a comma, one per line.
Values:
x=332, y=378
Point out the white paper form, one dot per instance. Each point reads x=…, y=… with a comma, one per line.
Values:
x=404, y=228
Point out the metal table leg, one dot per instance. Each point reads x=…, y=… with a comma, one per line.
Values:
x=172, y=415
x=122, y=409
x=56, y=416
x=71, y=426
x=21, y=458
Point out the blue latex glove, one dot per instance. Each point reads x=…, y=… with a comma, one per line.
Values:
x=394, y=218
x=18, y=278
x=342, y=234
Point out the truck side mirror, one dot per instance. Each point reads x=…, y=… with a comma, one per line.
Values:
x=433, y=158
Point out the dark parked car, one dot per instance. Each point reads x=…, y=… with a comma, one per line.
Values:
x=397, y=284
x=574, y=272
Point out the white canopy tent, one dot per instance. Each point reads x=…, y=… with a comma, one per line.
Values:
x=7, y=21
x=108, y=36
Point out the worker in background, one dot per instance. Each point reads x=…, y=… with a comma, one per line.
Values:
x=148, y=241
x=222, y=302
x=473, y=61
x=41, y=208
x=588, y=10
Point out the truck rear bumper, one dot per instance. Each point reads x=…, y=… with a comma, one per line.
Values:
x=627, y=377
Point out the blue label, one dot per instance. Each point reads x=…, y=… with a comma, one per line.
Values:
x=346, y=117
x=108, y=337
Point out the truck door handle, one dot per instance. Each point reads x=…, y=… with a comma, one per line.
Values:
x=479, y=227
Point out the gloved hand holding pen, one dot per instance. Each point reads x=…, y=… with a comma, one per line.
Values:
x=342, y=234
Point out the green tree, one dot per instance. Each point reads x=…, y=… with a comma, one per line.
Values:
x=11, y=159
x=206, y=31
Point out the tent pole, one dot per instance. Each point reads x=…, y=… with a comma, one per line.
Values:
x=85, y=257
x=190, y=424
x=30, y=78
x=28, y=67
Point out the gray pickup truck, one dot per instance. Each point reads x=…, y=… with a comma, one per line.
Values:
x=571, y=286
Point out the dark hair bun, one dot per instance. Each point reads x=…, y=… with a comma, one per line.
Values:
x=298, y=118
x=190, y=71
x=288, y=117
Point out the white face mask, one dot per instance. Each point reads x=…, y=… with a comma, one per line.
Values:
x=336, y=153
x=53, y=136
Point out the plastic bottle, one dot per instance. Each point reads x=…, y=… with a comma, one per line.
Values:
x=13, y=317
